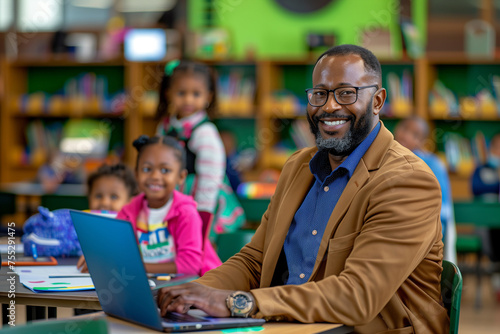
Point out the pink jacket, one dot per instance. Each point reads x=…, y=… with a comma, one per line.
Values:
x=185, y=225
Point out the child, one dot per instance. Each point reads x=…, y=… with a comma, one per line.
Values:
x=109, y=188
x=187, y=99
x=167, y=224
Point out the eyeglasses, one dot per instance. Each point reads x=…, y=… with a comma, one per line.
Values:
x=317, y=97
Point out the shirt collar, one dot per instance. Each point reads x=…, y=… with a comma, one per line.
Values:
x=320, y=165
x=191, y=119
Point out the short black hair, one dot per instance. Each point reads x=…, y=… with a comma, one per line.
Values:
x=372, y=65
x=144, y=141
x=188, y=67
x=422, y=122
x=120, y=171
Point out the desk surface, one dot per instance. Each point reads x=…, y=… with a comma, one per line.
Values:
x=71, y=299
x=120, y=326
x=35, y=189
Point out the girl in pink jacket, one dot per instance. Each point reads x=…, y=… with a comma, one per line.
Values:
x=167, y=225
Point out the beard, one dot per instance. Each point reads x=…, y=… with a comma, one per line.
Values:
x=344, y=146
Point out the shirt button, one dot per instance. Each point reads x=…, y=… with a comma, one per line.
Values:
x=326, y=188
x=314, y=232
x=302, y=275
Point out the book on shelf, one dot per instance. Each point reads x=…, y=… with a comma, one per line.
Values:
x=485, y=104
x=301, y=134
x=236, y=93
x=86, y=94
x=459, y=156
x=400, y=99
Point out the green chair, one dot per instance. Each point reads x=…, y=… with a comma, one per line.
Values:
x=81, y=326
x=451, y=292
x=480, y=214
x=229, y=244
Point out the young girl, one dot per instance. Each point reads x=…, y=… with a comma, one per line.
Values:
x=109, y=188
x=187, y=99
x=167, y=224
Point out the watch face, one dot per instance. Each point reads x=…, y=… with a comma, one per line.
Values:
x=240, y=302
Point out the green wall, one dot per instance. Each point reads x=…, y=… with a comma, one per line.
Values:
x=272, y=32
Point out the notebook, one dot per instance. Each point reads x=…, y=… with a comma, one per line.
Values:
x=115, y=265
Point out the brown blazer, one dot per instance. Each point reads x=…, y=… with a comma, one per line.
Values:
x=378, y=267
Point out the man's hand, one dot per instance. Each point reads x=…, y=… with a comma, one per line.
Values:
x=82, y=265
x=180, y=298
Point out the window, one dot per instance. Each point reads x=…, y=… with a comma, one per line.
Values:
x=40, y=15
x=6, y=14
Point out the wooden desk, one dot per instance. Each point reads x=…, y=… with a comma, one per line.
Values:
x=30, y=195
x=72, y=299
x=24, y=296
x=35, y=189
x=120, y=326
x=43, y=305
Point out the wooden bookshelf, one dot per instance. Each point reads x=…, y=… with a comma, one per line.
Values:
x=270, y=75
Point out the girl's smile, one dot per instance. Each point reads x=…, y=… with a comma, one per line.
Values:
x=159, y=172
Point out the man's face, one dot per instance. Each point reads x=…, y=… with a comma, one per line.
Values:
x=411, y=134
x=341, y=128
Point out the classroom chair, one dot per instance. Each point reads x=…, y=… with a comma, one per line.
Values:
x=480, y=214
x=81, y=326
x=451, y=292
x=229, y=244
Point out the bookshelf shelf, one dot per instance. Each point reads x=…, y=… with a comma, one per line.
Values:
x=65, y=115
x=272, y=103
x=473, y=119
x=43, y=94
x=62, y=62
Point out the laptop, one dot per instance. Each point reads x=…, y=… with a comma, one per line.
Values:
x=115, y=265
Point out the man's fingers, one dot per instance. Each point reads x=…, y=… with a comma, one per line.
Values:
x=167, y=296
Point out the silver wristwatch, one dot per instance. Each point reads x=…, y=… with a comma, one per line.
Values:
x=241, y=304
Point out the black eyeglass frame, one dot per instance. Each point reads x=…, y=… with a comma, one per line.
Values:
x=334, y=96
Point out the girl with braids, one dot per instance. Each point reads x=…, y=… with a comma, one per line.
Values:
x=166, y=222
x=187, y=101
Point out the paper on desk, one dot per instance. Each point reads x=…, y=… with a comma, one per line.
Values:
x=37, y=278
x=44, y=284
x=50, y=271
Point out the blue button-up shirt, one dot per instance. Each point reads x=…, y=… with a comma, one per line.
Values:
x=308, y=225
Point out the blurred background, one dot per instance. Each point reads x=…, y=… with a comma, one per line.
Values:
x=81, y=77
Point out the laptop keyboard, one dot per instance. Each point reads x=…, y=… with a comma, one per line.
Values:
x=180, y=317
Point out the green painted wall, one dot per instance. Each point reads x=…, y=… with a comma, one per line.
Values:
x=272, y=32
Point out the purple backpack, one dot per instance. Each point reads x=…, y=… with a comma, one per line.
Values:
x=52, y=233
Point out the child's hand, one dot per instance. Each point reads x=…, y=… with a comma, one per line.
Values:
x=82, y=265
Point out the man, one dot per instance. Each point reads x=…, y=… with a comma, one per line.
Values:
x=486, y=178
x=486, y=187
x=412, y=133
x=352, y=234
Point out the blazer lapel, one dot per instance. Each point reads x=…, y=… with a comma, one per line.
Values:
x=370, y=161
x=290, y=203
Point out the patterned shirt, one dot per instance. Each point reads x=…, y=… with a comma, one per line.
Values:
x=155, y=241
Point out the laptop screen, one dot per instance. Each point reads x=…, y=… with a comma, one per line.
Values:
x=116, y=268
